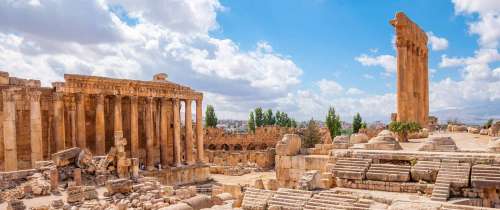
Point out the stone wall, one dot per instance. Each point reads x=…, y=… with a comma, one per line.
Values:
x=262, y=159
x=263, y=138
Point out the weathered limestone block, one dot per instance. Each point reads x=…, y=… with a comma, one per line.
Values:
x=316, y=162
x=442, y=144
x=473, y=130
x=178, y=206
x=457, y=128
x=119, y=186
x=15, y=205
x=494, y=130
x=283, y=161
x=199, y=202
x=383, y=141
x=341, y=142
x=425, y=170
x=310, y=180
x=289, y=145
x=271, y=184
x=258, y=184
x=298, y=162
x=66, y=156
x=219, y=199
x=494, y=145
x=423, y=133
x=358, y=138
x=483, y=132
x=75, y=195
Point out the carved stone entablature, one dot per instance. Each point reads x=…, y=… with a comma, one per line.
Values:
x=408, y=33
x=109, y=86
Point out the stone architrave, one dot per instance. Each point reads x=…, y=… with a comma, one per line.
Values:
x=35, y=127
x=412, y=71
x=100, y=131
x=9, y=130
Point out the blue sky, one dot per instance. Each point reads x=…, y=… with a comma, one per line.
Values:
x=324, y=37
x=297, y=56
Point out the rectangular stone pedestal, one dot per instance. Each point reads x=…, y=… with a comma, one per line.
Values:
x=180, y=175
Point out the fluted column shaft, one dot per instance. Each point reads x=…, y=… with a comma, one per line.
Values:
x=199, y=131
x=149, y=134
x=164, y=127
x=177, y=133
x=35, y=128
x=59, y=132
x=189, y=132
x=81, y=140
x=9, y=130
x=134, y=128
x=100, y=131
x=117, y=116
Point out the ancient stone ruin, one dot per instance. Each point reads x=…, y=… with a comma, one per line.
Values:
x=412, y=71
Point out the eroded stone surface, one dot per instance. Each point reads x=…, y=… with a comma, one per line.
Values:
x=444, y=144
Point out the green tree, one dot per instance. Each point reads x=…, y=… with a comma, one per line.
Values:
x=402, y=129
x=259, y=117
x=488, y=124
x=210, y=117
x=356, y=123
x=251, y=123
x=333, y=123
x=311, y=135
x=269, y=118
x=364, y=125
x=293, y=123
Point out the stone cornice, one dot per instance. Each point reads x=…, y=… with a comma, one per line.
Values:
x=108, y=86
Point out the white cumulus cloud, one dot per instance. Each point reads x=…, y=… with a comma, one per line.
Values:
x=437, y=43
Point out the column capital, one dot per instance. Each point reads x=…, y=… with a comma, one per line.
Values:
x=34, y=96
x=134, y=99
x=100, y=98
x=58, y=96
x=80, y=97
x=10, y=96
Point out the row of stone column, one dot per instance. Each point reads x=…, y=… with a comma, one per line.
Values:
x=9, y=127
x=412, y=83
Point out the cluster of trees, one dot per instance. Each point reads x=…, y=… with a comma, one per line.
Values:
x=267, y=118
x=311, y=135
x=210, y=117
x=334, y=124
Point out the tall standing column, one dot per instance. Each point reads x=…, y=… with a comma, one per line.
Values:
x=9, y=130
x=117, y=123
x=134, y=127
x=164, y=128
x=35, y=128
x=100, y=131
x=426, y=87
x=81, y=140
x=59, y=133
x=149, y=134
x=199, y=130
x=189, y=132
x=177, y=133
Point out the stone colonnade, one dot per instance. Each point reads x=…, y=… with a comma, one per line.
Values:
x=156, y=124
x=412, y=71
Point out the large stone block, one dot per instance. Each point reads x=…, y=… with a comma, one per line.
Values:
x=358, y=138
x=119, y=186
x=442, y=144
x=298, y=162
x=289, y=145
x=316, y=162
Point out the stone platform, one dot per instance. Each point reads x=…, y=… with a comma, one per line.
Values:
x=181, y=175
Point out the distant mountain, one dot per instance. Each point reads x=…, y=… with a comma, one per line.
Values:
x=478, y=114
